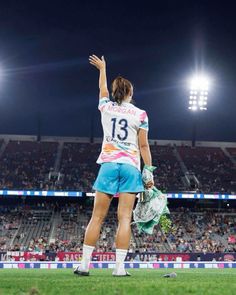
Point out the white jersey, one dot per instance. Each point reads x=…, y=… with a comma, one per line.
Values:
x=120, y=132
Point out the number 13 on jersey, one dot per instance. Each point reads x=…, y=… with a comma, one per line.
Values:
x=122, y=124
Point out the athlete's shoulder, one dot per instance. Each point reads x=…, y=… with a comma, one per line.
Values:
x=138, y=110
x=142, y=118
x=104, y=101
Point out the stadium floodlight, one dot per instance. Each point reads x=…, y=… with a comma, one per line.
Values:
x=198, y=95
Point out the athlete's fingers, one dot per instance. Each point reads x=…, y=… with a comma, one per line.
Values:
x=95, y=57
x=97, y=62
x=93, y=62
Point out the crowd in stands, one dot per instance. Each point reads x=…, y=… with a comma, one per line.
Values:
x=78, y=165
x=202, y=231
x=28, y=164
x=232, y=152
x=168, y=173
x=56, y=227
x=213, y=169
x=150, y=243
x=46, y=226
x=9, y=224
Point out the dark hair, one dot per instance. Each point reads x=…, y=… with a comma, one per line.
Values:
x=121, y=88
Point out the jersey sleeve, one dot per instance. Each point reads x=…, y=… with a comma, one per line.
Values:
x=143, y=121
x=102, y=102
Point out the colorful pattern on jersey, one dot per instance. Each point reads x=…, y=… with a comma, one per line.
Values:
x=120, y=128
x=112, y=153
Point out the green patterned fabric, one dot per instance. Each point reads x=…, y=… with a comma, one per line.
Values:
x=151, y=206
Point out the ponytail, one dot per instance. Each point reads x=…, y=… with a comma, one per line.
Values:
x=121, y=88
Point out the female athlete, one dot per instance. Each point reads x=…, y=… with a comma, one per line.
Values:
x=125, y=129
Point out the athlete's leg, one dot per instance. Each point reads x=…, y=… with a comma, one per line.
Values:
x=123, y=235
x=124, y=214
x=101, y=205
x=100, y=208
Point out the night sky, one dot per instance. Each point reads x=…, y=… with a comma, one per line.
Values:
x=44, y=69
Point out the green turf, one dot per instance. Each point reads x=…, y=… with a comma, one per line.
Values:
x=148, y=281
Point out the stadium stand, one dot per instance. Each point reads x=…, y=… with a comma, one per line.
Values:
x=232, y=152
x=46, y=226
x=63, y=165
x=212, y=168
x=205, y=231
x=25, y=164
x=10, y=221
x=168, y=173
x=78, y=165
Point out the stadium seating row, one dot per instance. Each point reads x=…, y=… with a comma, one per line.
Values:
x=40, y=165
x=52, y=226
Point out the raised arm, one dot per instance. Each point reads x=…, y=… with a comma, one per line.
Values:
x=100, y=64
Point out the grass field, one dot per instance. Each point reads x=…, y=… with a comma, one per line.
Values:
x=148, y=281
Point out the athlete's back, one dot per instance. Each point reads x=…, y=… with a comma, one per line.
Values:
x=121, y=123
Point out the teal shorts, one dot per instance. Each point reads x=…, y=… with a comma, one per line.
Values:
x=116, y=178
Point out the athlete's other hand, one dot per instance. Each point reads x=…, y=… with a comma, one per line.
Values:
x=97, y=62
x=148, y=185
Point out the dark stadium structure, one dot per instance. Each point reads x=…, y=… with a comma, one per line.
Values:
x=50, y=226
x=65, y=163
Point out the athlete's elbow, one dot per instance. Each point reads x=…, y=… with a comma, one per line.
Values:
x=144, y=147
x=104, y=93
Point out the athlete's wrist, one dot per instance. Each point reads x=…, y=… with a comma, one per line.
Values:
x=149, y=167
x=147, y=174
x=102, y=68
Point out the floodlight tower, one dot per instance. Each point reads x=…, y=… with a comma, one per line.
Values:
x=199, y=87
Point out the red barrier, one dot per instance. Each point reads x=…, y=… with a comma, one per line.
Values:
x=25, y=256
x=110, y=256
x=97, y=256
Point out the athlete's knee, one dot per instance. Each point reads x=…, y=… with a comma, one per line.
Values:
x=124, y=216
x=98, y=218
